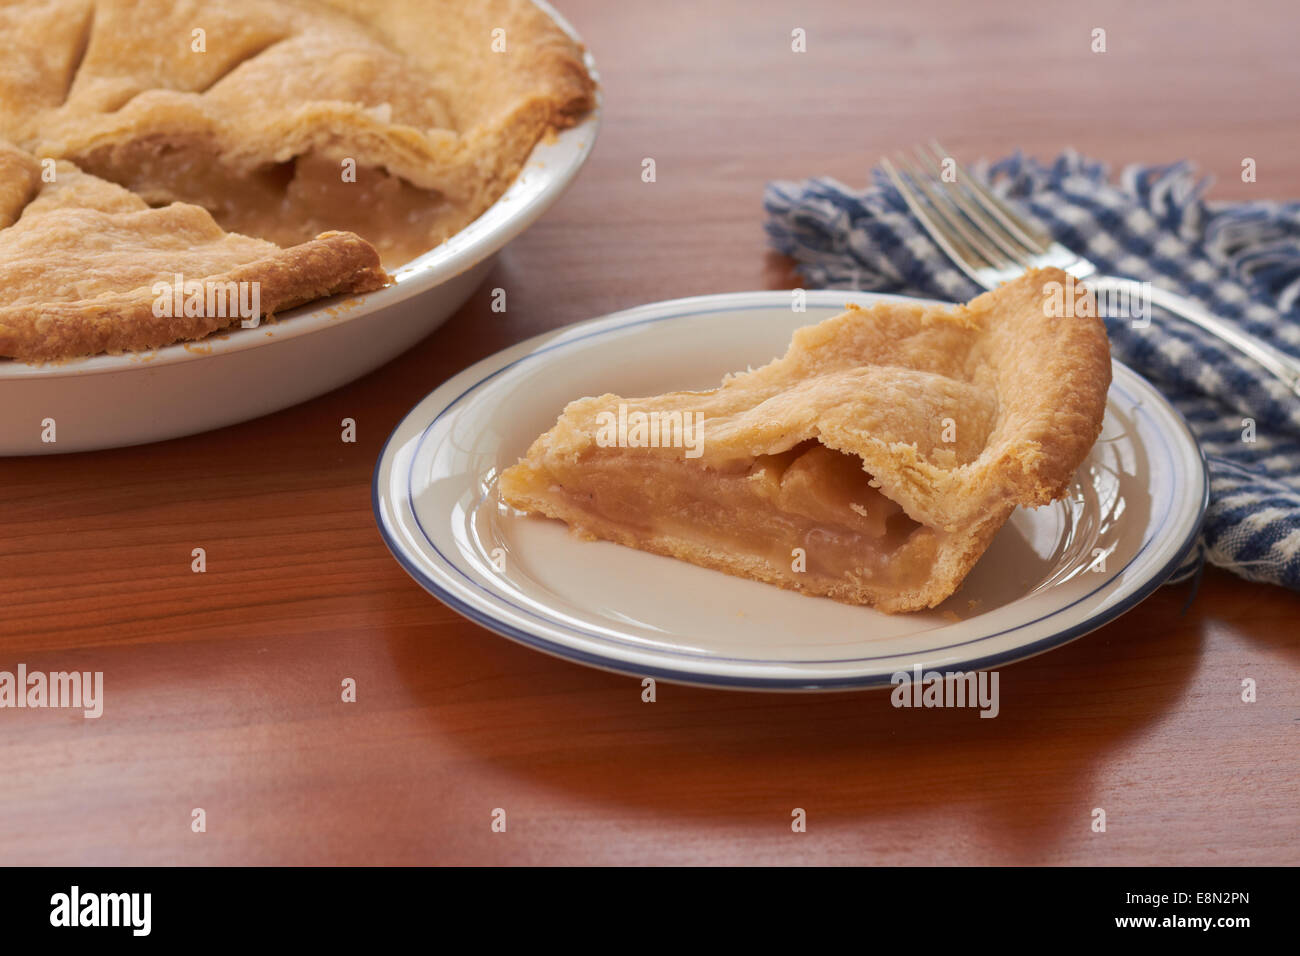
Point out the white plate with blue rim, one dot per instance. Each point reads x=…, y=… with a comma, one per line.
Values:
x=1051, y=575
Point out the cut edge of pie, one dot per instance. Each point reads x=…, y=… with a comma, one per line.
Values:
x=888, y=446
x=87, y=260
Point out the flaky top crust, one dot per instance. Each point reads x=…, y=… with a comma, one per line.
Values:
x=409, y=86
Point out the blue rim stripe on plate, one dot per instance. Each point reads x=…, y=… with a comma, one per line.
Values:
x=616, y=664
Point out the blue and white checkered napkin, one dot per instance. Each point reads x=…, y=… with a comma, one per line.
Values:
x=1240, y=260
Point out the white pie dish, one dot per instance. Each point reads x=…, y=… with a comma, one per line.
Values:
x=1137, y=501
x=110, y=401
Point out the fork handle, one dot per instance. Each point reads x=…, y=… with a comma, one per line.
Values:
x=1276, y=361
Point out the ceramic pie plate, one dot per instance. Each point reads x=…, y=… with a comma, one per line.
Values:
x=1051, y=575
x=110, y=401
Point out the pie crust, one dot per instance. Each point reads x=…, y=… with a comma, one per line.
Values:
x=287, y=120
x=873, y=463
x=82, y=260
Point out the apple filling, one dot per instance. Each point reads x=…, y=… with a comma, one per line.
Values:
x=808, y=514
x=290, y=202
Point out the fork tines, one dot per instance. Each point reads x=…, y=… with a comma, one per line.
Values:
x=979, y=232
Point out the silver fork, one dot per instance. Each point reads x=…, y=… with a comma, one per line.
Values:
x=992, y=244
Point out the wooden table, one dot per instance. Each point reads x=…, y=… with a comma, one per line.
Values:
x=223, y=689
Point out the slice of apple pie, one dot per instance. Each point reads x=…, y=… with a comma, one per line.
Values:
x=873, y=463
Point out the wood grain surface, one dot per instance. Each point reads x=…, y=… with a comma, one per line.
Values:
x=222, y=689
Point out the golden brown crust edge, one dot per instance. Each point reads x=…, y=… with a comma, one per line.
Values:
x=1054, y=374
x=333, y=263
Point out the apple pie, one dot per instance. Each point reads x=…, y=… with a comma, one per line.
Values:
x=872, y=463
x=87, y=267
x=291, y=122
